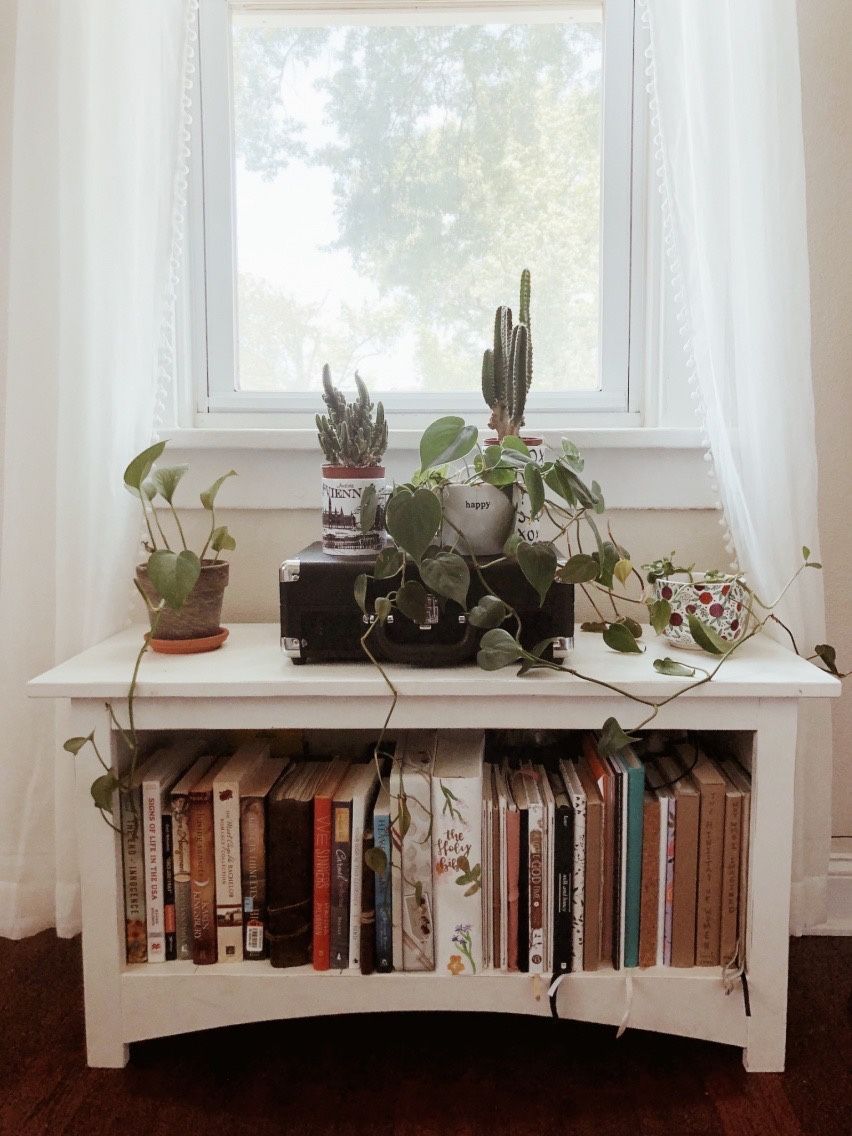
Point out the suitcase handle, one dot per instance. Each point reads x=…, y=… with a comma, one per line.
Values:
x=427, y=654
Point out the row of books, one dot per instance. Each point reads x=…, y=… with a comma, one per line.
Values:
x=444, y=857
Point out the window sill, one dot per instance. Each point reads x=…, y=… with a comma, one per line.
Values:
x=638, y=468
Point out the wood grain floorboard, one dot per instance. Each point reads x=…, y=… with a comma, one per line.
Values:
x=417, y=1075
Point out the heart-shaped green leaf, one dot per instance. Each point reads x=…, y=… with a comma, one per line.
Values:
x=613, y=739
x=497, y=649
x=579, y=569
x=595, y=626
x=166, y=480
x=368, y=509
x=538, y=563
x=140, y=467
x=535, y=488
x=376, y=860
x=488, y=612
x=619, y=638
x=102, y=789
x=413, y=519
x=632, y=626
x=510, y=548
x=671, y=667
x=513, y=442
x=571, y=455
x=499, y=477
x=556, y=478
x=447, y=575
x=74, y=745
x=383, y=608
x=411, y=601
x=208, y=497
x=622, y=569
x=221, y=540
x=446, y=440
x=806, y=552
x=607, y=559
x=360, y=591
x=706, y=638
x=388, y=563
x=174, y=575
x=659, y=611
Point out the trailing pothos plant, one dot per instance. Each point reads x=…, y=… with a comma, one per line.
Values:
x=173, y=569
x=601, y=568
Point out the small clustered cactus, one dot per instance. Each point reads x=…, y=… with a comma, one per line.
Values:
x=507, y=367
x=348, y=434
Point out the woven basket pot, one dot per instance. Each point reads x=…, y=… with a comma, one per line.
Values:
x=201, y=615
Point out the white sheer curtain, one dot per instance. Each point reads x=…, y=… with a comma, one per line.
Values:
x=98, y=153
x=725, y=97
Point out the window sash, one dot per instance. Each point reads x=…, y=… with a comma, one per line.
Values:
x=213, y=267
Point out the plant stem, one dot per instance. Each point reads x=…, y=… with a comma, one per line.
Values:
x=210, y=534
x=394, y=699
x=147, y=520
x=179, y=525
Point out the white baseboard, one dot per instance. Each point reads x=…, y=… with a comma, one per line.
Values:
x=839, y=893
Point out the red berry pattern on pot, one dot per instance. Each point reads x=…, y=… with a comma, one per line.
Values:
x=718, y=604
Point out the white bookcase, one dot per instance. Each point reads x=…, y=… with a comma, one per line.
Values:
x=249, y=685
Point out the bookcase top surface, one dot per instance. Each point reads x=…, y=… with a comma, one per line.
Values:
x=252, y=665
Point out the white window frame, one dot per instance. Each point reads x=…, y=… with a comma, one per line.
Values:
x=212, y=276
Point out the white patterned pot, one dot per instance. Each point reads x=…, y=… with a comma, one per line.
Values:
x=342, y=489
x=484, y=515
x=527, y=527
x=721, y=604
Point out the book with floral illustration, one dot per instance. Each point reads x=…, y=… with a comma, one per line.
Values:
x=411, y=851
x=457, y=851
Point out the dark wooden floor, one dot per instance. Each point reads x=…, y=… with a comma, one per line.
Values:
x=409, y=1075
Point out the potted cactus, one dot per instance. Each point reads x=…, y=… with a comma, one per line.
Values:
x=353, y=441
x=506, y=380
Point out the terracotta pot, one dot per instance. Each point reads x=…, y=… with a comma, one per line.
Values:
x=483, y=513
x=342, y=488
x=201, y=615
x=526, y=526
x=720, y=604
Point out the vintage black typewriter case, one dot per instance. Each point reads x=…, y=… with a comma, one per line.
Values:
x=321, y=622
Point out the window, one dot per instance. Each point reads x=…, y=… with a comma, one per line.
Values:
x=376, y=175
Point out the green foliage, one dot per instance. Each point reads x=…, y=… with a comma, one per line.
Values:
x=620, y=638
x=349, y=434
x=411, y=601
x=413, y=519
x=446, y=574
x=369, y=508
x=139, y=468
x=507, y=366
x=706, y=637
x=446, y=440
x=614, y=739
x=673, y=668
x=579, y=569
x=165, y=481
x=489, y=612
x=659, y=611
x=174, y=575
x=208, y=497
x=498, y=649
x=538, y=563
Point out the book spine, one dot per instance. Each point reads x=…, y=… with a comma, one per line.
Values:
x=367, y=922
x=578, y=915
x=182, y=877
x=745, y=852
x=322, y=883
x=662, y=865
x=730, y=878
x=711, y=841
x=169, y=921
x=290, y=841
x=671, y=848
x=592, y=897
x=418, y=931
x=485, y=895
x=535, y=869
x=457, y=873
x=634, y=790
x=229, y=900
x=203, y=883
x=496, y=890
x=341, y=859
x=523, y=891
x=650, y=881
x=513, y=868
x=609, y=886
x=396, y=866
x=253, y=867
x=618, y=873
x=133, y=859
x=153, y=831
x=356, y=880
x=563, y=876
x=384, y=910
x=685, y=881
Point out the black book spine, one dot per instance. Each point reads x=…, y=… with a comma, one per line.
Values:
x=524, y=893
x=563, y=857
x=290, y=835
x=169, y=918
x=341, y=869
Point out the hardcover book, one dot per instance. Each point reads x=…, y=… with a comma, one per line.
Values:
x=742, y=781
x=497, y=874
x=133, y=865
x=457, y=851
x=164, y=769
x=226, y=841
x=202, y=863
x=731, y=873
x=182, y=870
x=334, y=774
x=619, y=896
x=367, y=946
x=605, y=780
x=577, y=797
x=254, y=789
x=635, y=791
x=411, y=851
x=351, y=810
x=532, y=871
x=649, y=905
x=384, y=909
x=685, y=876
x=290, y=842
x=593, y=866
x=564, y=902
x=711, y=839
x=510, y=833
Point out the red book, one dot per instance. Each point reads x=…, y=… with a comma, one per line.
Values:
x=322, y=863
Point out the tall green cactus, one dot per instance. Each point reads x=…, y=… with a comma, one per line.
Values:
x=348, y=435
x=507, y=367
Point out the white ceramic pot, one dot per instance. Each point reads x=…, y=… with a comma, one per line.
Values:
x=483, y=513
x=720, y=604
x=342, y=489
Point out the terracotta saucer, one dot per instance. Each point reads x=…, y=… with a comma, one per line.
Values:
x=190, y=646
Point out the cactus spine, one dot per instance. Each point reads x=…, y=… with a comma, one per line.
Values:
x=507, y=367
x=348, y=434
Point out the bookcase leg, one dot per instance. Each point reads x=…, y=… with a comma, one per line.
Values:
x=767, y=953
x=102, y=898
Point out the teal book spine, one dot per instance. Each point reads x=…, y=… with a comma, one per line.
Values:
x=635, y=793
x=384, y=909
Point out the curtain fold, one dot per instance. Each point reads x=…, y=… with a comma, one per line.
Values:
x=98, y=162
x=725, y=102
